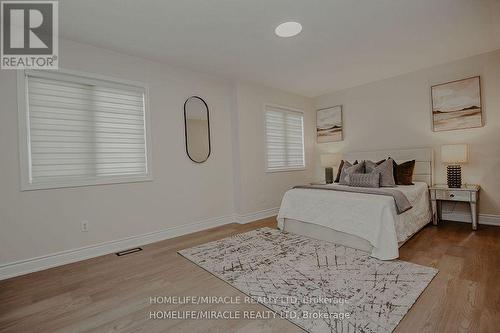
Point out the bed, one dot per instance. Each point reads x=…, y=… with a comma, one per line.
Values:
x=366, y=222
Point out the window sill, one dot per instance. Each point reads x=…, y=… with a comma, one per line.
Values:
x=286, y=170
x=85, y=182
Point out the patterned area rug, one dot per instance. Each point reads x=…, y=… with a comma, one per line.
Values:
x=317, y=285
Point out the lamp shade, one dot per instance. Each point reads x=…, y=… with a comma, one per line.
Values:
x=330, y=160
x=455, y=154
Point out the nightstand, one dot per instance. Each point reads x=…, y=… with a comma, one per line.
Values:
x=467, y=193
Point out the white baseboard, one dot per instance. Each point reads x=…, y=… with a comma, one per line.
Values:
x=250, y=217
x=21, y=267
x=489, y=219
x=486, y=219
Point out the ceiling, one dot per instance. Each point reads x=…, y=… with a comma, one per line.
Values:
x=343, y=43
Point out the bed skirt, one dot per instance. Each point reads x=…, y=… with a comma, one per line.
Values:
x=327, y=234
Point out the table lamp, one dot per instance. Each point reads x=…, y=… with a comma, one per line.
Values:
x=328, y=161
x=453, y=156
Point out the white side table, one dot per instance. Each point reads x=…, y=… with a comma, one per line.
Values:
x=467, y=193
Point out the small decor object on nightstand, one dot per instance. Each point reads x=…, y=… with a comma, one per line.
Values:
x=328, y=161
x=454, y=155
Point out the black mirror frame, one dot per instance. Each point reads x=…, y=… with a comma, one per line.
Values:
x=186, y=134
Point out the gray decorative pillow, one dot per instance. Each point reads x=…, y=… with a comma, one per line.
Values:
x=370, y=165
x=349, y=169
x=364, y=179
x=386, y=172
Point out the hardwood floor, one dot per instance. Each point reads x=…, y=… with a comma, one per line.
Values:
x=111, y=293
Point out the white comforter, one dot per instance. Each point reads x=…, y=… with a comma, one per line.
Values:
x=368, y=216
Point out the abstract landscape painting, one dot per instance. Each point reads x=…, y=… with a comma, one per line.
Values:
x=457, y=105
x=329, y=124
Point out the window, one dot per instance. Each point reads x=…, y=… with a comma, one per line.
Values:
x=78, y=130
x=284, y=139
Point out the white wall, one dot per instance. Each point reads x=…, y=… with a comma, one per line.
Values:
x=258, y=190
x=233, y=180
x=36, y=223
x=395, y=113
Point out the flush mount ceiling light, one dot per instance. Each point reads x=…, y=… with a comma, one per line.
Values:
x=288, y=29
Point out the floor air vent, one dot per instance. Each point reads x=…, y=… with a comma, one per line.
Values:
x=129, y=251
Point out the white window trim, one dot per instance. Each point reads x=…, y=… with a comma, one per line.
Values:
x=24, y=132
x=287, y=109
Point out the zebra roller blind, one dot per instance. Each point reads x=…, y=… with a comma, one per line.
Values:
x=284, y=139
x=84, y=131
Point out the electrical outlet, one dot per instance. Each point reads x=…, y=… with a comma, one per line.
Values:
x=85, y=226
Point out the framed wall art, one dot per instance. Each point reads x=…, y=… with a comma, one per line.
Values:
x=457, y=105
x=329, y=124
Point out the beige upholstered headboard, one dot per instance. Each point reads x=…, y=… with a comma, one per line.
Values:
x=424, y=160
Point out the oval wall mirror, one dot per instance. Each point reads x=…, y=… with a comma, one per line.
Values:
x=197, y=129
